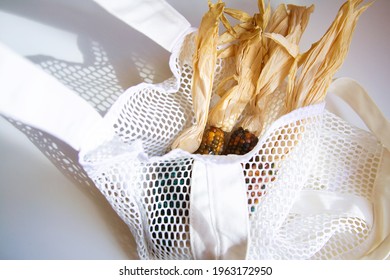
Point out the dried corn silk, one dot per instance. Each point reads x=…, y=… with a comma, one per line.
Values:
x=318, y=65
x=204, y=62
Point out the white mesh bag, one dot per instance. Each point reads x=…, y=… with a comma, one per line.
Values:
x=314, y=187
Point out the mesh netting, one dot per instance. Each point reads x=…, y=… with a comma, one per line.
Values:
x=348, y=163
x=149, y=186
x=304, y=151
x=96, y=82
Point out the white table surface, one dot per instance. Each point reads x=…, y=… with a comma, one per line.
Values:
x=42, y=214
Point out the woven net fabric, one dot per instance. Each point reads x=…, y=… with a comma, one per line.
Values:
x=346, y=162
x=307, y=150
x=97, y=83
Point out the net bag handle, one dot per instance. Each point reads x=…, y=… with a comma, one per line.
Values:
x=359, y=100
x=31, y=96
x=156, y=19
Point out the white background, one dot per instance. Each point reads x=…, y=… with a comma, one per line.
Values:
x=42, y=214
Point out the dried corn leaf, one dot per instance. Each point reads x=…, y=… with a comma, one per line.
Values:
x=204, y=62
x=319, y=64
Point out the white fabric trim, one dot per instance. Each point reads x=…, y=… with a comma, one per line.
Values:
x=219, y=230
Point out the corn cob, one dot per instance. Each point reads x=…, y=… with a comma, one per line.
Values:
x=248, y=57
x=271, y=77
x=204, y=64
x=241, y=142
x=212, y=142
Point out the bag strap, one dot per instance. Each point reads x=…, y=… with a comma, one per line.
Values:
x=31, y=96
x=358, y=99
x=218, y=229
x=154, y=18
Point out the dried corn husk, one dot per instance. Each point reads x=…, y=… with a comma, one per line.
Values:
x=266, y=52
x=204, y=62
x=282, y=52
x=318, y=65
x=279, y=22
x=248, y=65
x=246, y=23
x=248, y=60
